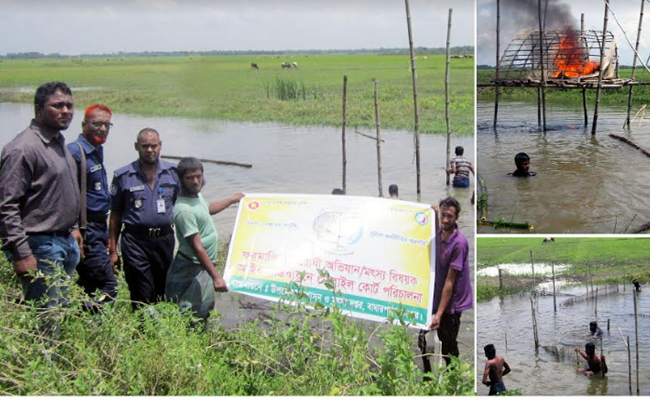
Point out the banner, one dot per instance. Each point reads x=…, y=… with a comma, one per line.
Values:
x=378, y=252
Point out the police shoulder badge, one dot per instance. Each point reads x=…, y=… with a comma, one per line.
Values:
x=138, y=203
x=98, y=186
x=113, y=190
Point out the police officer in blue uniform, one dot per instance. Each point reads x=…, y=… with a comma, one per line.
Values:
x=142, y=197
x=95, y=269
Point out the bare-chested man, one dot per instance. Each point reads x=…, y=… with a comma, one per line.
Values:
x=595, y=364
x=495, y=368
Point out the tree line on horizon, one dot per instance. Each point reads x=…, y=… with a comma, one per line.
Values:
x=382, y=50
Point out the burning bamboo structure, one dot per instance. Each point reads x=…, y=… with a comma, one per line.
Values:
x=560, y=59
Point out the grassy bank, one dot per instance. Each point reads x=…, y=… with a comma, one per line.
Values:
x=610, y=97
x=160, y=352
x=607, y=260
x=226, y=87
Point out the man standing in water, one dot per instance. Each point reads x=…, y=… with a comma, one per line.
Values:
x=39, y=198
x=452, y=288
x=193, y=278
x=95, y=269
x=594, y=364
x=460, y=167
x=142, y=197
x=495, y=369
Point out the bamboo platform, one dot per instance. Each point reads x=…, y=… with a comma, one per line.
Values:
x=564, y=84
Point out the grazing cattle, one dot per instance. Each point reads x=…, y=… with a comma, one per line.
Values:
x=254, y=66
x=294, y=65
x=548, y=240
x=286, y=65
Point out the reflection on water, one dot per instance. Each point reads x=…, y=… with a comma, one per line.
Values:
x=551, y=370
x=584, y=183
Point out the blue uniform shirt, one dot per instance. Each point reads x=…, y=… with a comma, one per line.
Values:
x=137, y=202
x=97, y=197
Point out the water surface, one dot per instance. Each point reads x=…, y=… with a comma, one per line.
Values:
x=551, y=370
x=584, y=183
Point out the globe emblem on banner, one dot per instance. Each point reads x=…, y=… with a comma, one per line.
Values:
x=253, y=205
x=338, y=231
x=421, y=218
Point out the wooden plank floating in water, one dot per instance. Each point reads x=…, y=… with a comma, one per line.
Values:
x=505, y=224
x=368, y=136
x=235, y=164
x=631, y=143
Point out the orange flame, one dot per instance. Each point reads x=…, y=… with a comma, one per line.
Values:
x=571, y=60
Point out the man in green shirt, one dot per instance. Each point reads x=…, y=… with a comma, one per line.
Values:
x=193, y=279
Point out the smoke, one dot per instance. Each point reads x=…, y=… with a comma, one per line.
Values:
x=524, y=14
x=515, y=16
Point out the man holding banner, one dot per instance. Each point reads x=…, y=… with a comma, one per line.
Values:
x=453, y=289
x=193, y=279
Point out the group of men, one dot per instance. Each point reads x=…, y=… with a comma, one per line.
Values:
x=54, y=213
x=55, y=202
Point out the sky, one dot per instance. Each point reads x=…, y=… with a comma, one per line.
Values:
x=514, y=17
x=74, y=27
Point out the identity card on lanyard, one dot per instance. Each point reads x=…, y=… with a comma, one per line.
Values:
x=161, y=202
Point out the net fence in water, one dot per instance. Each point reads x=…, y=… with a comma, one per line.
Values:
x=591, y=294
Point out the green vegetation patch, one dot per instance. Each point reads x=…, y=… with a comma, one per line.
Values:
x=603, y=260
x=160, y=350
x=226, y=87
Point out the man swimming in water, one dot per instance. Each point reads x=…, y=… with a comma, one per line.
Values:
x=594, y=364
x=522, y=161
x=495, y=368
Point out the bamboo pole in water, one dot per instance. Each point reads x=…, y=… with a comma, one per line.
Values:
x=500, y=280
x=636, y=340
x=629, y=364
x=496, y=76
x=532, y=310
x=602, y=71
x=506, y=336
x=378, y=123
x=448, y=166
x=532, y=264
x=607, y=324
x=629, y=359
x=345, y=121
x=602, y=363
x=541, y=63
x=415, y=99
x=596, y=304
x=554, y=301
x=584, y=91
x=636, y=54
x=235, y=164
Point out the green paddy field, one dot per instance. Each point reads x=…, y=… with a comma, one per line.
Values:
x=606, y=260
x=227, y=88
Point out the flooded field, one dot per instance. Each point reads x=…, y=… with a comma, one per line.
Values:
x=584, y=183
x=285, y=160
x=551, y=369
